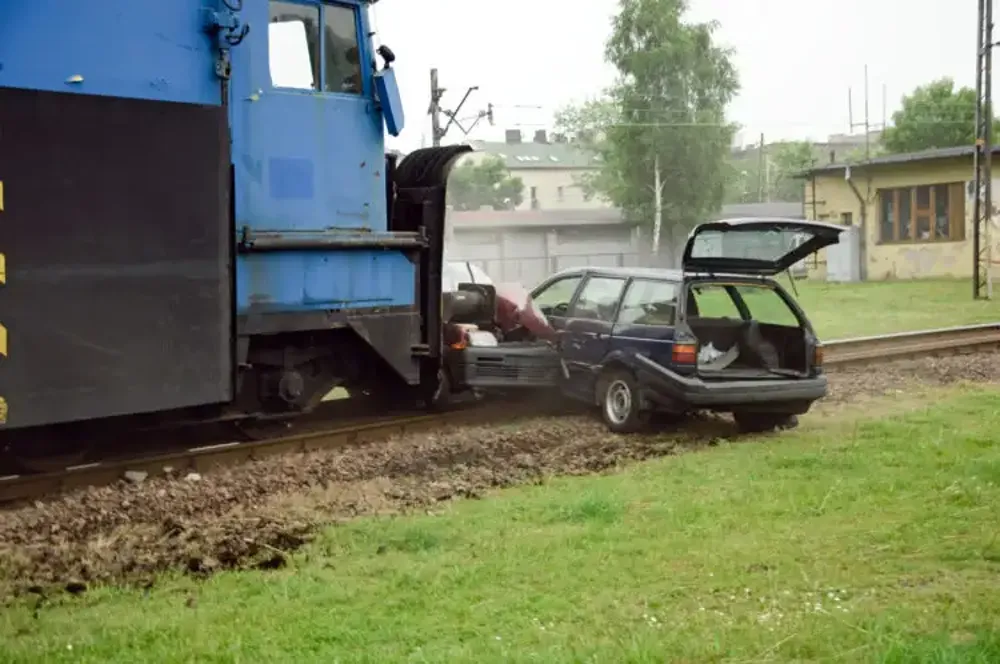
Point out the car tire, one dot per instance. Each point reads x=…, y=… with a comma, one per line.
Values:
x=761, y=422
x=619, y=400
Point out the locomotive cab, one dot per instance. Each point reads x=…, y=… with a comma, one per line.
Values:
x=198, y=214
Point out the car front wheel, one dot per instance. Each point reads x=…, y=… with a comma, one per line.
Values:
x=618, y=397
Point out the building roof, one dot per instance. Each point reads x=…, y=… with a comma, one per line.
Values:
x=901, y=158
x=534, y=155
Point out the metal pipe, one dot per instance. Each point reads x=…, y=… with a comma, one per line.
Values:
x=260, y=242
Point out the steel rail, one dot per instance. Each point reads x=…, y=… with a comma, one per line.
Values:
x=965, y=338
x=840, y=352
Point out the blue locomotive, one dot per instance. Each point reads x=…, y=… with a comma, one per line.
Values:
x=198, y=215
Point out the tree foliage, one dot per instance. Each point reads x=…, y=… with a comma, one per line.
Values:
x=788, y=161
x=487, y=183
x=667, y=106
x=935, y=115
x=785, y=161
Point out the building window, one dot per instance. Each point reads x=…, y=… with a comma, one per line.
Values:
x=927, y=213
x=534, y=198
x=297, y=60
x=846, y=219
x=560, y=194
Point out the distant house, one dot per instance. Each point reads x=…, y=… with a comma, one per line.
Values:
x=550, y=168
x=912, y=212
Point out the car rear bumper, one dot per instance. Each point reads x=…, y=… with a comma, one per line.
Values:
x=510, y=365
x=787, y=394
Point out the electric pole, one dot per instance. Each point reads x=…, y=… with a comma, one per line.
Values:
x=866, y=122
x=435, y=111
x=982, y=280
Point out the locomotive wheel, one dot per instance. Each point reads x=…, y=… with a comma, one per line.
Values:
x=44, y=456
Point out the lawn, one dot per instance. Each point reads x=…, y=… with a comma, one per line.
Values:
x=838, y=311
x=845, y=541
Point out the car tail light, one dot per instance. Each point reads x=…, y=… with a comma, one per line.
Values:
x=818, y=356
x=685, y=354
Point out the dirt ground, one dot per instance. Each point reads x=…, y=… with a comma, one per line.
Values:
x=254, y=514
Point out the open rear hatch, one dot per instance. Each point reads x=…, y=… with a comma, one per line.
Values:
x=748, y=329
x=760, y=247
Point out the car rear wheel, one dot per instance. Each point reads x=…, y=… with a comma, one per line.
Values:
x=760, y=422
x=618, y=397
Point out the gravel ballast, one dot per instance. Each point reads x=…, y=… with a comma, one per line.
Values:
x=256, y=513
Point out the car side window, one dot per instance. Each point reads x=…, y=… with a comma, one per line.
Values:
x=767, y=306
x=649, y=302
x=712, y=301
x=599, y=299
x=554, y=299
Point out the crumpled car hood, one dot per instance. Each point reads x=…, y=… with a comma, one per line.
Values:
x=515, y=308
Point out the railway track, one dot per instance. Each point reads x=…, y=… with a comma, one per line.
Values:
x=314, y=436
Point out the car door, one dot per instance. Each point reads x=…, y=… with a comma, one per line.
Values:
x=553, y=299
x=758, y=246
x=586, y=337
x=646, y=322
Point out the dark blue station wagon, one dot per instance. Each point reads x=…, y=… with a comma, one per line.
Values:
x=721, y=334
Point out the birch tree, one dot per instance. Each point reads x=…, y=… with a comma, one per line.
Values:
x=660, y=131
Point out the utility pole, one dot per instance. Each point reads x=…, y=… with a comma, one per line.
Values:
x=435, y=111
x=982, y=279
x=869, y=195
x=866, y=122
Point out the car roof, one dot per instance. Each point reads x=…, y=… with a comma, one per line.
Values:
x=625, y=272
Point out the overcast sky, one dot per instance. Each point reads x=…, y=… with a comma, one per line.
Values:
x=796, y=58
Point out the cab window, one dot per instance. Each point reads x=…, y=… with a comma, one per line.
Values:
x=293, y=45
x=554, y=299
x=599, y=298
x=341, y=57
x=649, y=302
x=295, y=57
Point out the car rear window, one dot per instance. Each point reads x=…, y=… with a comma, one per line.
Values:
x=649, y=302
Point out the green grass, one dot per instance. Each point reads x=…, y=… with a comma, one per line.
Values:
x=840, y=311
x=844, y=542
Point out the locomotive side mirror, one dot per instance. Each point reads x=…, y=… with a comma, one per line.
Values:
x=387, y=55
